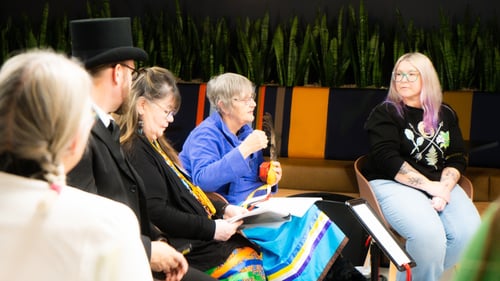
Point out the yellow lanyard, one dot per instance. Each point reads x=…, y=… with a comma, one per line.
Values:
x=196, y=191
x=250, y=202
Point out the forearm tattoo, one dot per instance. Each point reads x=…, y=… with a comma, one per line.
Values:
x=449, y=174
x=449, y=177
x=413, y=180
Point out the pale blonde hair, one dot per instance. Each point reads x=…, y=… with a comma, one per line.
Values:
x=44, y=99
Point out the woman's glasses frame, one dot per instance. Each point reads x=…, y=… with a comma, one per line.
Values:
x=247, y=100
x=411, y=76
x=168, y=113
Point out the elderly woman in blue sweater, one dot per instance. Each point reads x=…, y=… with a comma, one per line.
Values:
x=223, y=153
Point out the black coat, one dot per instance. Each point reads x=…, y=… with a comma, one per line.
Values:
x=176, y=212
x=103, y=170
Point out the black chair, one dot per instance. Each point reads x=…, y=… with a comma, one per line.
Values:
x=333, y=205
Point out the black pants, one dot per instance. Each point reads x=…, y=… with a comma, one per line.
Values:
x=343, y=270
x=192, y=274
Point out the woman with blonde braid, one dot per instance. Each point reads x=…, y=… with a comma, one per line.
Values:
x=50, y=231
x=180, y=209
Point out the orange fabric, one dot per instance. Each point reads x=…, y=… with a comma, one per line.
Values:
x=308, y=122
x=200, y=113
x=232, y=261
x=261, y=97
x=461, y=102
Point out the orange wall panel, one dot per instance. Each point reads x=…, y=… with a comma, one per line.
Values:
x=308, y=119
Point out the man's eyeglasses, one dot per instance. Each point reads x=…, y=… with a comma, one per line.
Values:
x=135, y=72
x=246, y=100
x=168, y=113
x=410, y=76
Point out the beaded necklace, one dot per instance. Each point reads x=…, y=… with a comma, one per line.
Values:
x=196, y=191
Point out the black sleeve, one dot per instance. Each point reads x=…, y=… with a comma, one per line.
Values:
x=146, y=241
x=82, y=175
x=383, y=130
x=168, y=207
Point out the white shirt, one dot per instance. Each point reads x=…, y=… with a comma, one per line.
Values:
x=71, y=236
x=103, y=116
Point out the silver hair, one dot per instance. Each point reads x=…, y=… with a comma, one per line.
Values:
x=223, y=88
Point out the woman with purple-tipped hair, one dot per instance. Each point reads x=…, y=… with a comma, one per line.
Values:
x=416, y=158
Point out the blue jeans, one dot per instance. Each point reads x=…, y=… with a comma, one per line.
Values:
x=434, y=239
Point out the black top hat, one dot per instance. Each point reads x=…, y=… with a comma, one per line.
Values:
x=103, y=40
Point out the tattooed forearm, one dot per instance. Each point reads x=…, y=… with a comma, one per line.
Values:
x=415, y=181
x=404, y=169
x=449, y=173
x=409, y=176
x=407, y=169
x=450, y=176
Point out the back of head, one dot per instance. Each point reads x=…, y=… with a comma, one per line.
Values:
x=155, y=83
x=44, y=99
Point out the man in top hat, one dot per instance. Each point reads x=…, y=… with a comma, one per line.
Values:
x=105, y=47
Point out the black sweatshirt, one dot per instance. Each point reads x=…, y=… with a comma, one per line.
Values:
x=394, y=139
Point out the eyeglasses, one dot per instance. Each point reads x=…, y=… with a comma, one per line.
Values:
x=168, y=113
x=247, y=100
x=410, y=76
x=135, y=72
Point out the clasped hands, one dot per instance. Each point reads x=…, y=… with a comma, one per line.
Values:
x=440, y=195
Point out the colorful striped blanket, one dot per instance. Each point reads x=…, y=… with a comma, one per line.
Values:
x=302, y=249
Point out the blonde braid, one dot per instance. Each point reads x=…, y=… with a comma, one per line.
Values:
x=55, y=176
x=53, y=172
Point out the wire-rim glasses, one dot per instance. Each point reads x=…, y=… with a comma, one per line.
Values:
x=135, y=71
x=247, y=100
x=168, y=113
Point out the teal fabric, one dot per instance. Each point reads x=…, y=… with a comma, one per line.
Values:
x=303, y=248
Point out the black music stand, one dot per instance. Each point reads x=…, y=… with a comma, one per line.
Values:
x=384, y=239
